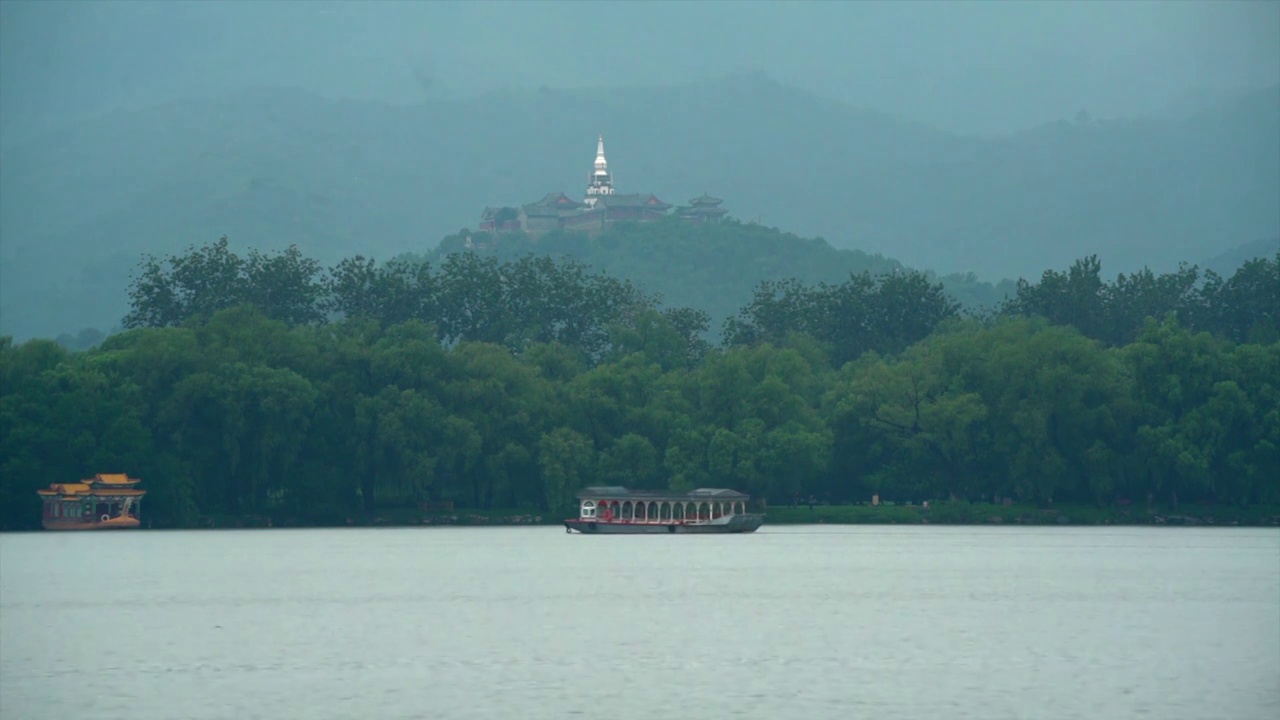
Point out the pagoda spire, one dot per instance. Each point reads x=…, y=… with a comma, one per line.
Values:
x=601, y=163
x=601, y=180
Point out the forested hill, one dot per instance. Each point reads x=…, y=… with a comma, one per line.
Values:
x=273, y=167
x=714, y=267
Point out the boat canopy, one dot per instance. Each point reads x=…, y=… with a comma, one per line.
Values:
x=617, y=492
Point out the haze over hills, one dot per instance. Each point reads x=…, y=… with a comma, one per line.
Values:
x=982, y=67
x=270, y=167
x=1228, y=262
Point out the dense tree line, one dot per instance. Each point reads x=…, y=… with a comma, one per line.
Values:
x=1242, y=308
x=268, y=384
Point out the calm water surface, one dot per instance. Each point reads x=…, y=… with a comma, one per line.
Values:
x=791, y=622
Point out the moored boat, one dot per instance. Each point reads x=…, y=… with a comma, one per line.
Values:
x=102, y=502
x=614, y=510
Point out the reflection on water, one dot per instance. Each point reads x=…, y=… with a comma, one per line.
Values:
x=790, y=622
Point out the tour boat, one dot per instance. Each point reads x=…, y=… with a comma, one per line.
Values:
x=620, y=511
x=102, y=502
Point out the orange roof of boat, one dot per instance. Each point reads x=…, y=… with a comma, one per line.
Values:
x=114, y=479
x=65, y=489
x=112, y=483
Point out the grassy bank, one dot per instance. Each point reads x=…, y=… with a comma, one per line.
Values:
x=940, y=513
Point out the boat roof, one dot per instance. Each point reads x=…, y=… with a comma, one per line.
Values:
x=67, y=489
x=617, y=492
x=100, y=485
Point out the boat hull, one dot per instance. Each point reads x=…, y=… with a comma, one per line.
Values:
x=124, y=523
x=731, y=525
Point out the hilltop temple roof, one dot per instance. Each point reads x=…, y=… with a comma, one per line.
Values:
x=633, y=200
x=552, y=204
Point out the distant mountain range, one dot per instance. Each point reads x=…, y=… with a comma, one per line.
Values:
x=271, y=167
x=1226, y=264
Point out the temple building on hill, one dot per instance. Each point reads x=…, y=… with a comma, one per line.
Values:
x=702, y=209
x=601, y=207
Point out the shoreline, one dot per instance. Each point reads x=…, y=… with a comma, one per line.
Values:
x=942, y=513
x=959, y=513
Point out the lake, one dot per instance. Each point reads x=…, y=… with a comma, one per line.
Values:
x=809, y=622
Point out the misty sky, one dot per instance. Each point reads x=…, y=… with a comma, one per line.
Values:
x=973, y=67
